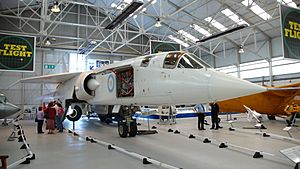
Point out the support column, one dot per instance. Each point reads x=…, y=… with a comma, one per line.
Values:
x=238, y=63
x=22, y=94
x=213, y=61
x=44, y=10
x=270, y=54
x=42, y=73
x=78, y=28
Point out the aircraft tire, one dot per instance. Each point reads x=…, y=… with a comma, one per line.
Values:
x=76, y=114
x=270, y=117
x=133, y=129
x=122, y=129
x=102, y=117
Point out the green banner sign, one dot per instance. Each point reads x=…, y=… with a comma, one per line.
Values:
x=290, y=23
x=161, y=46
x=17, y=53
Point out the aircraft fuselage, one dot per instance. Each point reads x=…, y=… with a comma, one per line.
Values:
x=154, y=80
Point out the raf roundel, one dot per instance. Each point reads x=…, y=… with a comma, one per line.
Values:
x=110, y=83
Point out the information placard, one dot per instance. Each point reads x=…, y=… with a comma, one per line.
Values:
x=292, y=153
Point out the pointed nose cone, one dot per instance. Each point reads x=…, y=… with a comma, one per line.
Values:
x=225, y=87
x=93, y=84
x=11, y=108
x=16, y=109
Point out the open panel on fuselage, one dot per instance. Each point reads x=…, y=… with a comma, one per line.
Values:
x=125, y=82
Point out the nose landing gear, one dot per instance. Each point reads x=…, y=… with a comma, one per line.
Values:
x=127, y=126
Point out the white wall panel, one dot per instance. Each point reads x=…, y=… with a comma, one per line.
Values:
x=253, y=55
x=277, y=47
x=230, y=58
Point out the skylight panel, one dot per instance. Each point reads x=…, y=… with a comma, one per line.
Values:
x=288, y=2
x=215, y=23
x=153, y=2
x=187, y=35
x=127, y=1
x=257, y=9
x=234, y=17
x=201, y=30
x=178, y=41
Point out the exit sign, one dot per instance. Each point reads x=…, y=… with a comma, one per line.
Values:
x=49, y=66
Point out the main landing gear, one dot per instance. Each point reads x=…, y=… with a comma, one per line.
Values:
x=127, y=125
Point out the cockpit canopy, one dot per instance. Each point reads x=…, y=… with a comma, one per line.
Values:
x=177, y=60
x=183, y=60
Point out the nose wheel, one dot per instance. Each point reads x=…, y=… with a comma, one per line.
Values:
x=133, y=129
x=127, y=130
x=123, y=129
x=127, y=126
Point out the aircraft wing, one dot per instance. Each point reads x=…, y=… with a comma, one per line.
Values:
x=290, y=85
x=53, y=78
x=289, y=97
x=287, y=88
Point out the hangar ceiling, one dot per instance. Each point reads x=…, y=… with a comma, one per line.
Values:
x=80, y=24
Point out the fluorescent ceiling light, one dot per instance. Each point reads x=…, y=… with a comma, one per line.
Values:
x=257, y=9
x=201, y=30
x=241, y=50
x=288, y=2
x=93, y=42
x=55, y=7
x=187, y=35
x=47, y=43
x=157, y=23
x=215, y=23
x=178, y=41
x=234, y=17
x=113, y=5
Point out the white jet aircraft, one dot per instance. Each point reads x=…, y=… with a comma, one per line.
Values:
x=169, y=78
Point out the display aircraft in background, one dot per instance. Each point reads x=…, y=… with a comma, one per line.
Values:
x=271, y=102
x=6, y=108
x=169, y=78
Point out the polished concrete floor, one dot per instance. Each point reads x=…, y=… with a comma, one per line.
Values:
x=64, y=150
